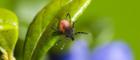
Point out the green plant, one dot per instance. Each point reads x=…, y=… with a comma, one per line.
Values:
x=40, y=38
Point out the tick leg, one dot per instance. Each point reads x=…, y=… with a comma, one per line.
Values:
x=68, y=15
x=73, y=24
x=56, y=31
x=80, y=33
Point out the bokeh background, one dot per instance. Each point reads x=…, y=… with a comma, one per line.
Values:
x=109, y=23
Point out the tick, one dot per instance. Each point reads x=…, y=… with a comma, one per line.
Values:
x=66, y=27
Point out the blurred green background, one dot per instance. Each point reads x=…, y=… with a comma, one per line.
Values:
x=106, y=20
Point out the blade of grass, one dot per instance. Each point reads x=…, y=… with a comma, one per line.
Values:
x=39, y=25
x=75, y=8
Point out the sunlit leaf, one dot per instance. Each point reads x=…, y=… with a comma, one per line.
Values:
x=8, y=33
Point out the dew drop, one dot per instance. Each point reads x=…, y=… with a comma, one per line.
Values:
x=62, y=47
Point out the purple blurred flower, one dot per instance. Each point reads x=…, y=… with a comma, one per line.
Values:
x=112, y=51
x=79, y=51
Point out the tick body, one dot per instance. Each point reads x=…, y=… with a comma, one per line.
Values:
x=66, y=28
x=64, y=25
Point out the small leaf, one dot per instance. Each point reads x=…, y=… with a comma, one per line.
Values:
x=8, y=33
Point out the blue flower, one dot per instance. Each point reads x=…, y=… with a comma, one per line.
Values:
x=116, y=50
x=112, y=51
x=79, y=51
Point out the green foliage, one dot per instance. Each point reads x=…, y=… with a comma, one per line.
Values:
x=40, y=36
x=8, y=33
x=123, y=14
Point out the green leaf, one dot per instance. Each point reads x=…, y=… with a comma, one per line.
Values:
x=8, y=33
x=39, y=25
x=40, y=37
x=75, y=9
